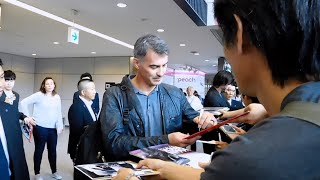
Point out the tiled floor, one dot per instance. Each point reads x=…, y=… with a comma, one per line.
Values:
x=64, y=163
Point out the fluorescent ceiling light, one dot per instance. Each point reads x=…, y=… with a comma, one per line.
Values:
x=160, y=30
x=33, y=54
x=214, y=65
x=93, y=52
x=207, y=60
x=122, y=5
x=182, y=45
x=56, y=42
x=66, y=22
x=196, y=54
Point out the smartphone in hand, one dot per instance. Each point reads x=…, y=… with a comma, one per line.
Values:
x=228, y=129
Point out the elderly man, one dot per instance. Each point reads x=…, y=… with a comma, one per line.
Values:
x=81, y=113
x=194, y=101
x=229, y=93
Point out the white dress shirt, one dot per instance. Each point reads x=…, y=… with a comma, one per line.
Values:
x=229, y=101
x=4, y=143
x=88, y=105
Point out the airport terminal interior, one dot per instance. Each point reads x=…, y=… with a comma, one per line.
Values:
x=79, y=52
x=37, y=40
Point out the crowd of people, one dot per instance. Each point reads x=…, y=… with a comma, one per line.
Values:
x=273, y=48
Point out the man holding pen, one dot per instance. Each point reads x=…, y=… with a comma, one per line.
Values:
x=156, y=110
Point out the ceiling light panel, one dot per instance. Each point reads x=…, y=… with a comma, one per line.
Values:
x=66, y=22
x=122, y=5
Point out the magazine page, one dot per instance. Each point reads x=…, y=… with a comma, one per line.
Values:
x=26, y=130
x=109, y=169
x=175, y=154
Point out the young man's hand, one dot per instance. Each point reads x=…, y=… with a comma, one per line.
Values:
x=257, y=113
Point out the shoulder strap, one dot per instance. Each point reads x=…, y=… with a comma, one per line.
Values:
x=306, y=111
x=126, y=109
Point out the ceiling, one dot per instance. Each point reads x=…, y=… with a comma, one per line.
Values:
x=24, y=33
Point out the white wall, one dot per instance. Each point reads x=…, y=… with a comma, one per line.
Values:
x=169, y=76
x=66, y=72
x=24, y=70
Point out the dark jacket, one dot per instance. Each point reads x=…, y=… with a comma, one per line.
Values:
x=271, y=145
x=119, y=140
x=95, y=103
x=79, y=117
x=235, y=105
x=11, y=126
x=215, y=99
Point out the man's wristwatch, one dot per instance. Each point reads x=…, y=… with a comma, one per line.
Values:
x=132, y=175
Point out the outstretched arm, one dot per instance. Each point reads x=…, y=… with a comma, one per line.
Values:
x=257, y=113
x=169, y=170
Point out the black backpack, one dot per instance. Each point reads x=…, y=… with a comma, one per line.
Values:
x=90, y=148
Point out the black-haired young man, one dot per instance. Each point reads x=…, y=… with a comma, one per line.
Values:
x=13, y=163
x=214, y=98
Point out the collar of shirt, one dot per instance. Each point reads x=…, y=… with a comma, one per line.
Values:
x=88, y=105
x=229, y=101
x=9, y=94
x=137, y=91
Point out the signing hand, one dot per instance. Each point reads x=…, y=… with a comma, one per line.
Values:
x=206, y=120
x=178, y=139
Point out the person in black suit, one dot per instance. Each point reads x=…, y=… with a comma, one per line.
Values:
x=11, y=97
x=81, y=114
x=13, y=163
x=214, y=98
x=95, y=103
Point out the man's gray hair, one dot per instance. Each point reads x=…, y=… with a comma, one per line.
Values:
x=152, y=42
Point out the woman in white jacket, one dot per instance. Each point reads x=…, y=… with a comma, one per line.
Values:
x=48, y=118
